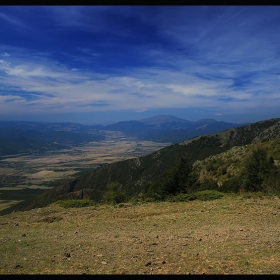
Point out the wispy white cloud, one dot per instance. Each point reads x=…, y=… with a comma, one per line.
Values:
x=63, y=89
x=12, y=20
x=225, y=58
x=5, y=54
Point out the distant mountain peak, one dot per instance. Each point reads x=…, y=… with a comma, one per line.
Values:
x=207, y=120
x=163, y=119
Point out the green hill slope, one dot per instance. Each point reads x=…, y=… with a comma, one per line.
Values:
x=134, y=175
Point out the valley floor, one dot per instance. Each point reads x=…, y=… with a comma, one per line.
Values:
x=41, y=171
x=231, y=235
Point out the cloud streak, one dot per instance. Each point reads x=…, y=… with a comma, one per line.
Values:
x=223, y=59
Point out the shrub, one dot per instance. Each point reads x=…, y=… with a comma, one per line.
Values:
x=208, y=184
x=57, y=219
x=208, y=195
x=257, y=169
x=201, y=195
x=223, y=170
x=114, y=194
x=232, y=185
x=75, y=203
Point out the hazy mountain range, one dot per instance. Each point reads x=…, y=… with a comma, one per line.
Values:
x=26, y=137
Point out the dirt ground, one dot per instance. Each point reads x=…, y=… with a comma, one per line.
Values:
x=231, y=235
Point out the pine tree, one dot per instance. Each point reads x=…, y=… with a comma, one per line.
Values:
x=257, y=169
x=182, y=178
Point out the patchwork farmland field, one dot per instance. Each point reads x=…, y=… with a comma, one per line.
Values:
x=44, y=171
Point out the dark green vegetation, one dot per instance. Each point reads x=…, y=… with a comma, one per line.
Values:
x=75, y=203
x=259, y=171
x=229, y=161
x=20, y=194
x=114, y=194
x=200, y=195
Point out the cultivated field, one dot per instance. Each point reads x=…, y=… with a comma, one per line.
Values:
x=41, y=171
x=231, y=235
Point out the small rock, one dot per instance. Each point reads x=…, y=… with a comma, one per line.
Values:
x=67, y=255
x=18, y=266
x=103, y=262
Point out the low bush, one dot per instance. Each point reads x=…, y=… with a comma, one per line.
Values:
x=114, y=195
x=208, y=184
x=232, y=185
x=208, y=195
x=200, y=195
x=75, y=203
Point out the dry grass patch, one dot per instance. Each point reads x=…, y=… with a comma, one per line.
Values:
x=232, y=235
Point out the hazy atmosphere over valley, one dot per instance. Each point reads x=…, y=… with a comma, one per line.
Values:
x=103, y=64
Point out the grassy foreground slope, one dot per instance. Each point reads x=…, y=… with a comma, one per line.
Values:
x=237, y=234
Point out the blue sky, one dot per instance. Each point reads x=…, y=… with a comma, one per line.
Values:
x=100, y=64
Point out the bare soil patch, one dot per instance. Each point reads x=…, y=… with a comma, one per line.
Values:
x=231, y=235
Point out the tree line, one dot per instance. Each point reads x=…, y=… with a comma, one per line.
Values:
x=259, y=174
